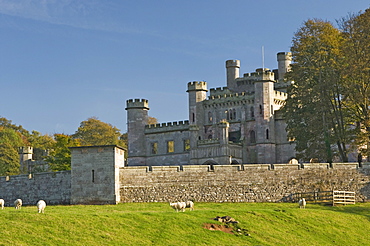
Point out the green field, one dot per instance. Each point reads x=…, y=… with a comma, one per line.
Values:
x=158, y=224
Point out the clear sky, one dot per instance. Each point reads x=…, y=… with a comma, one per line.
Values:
x=63, y=61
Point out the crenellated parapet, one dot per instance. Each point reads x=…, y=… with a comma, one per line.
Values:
x=281, y=95
x=137, y=104
x=219, y=91
x=259, y=75
x=166, y=127
x=230, y=98
x=197, y=86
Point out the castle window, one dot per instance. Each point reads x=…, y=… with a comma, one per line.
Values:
x=267, y=133
x=227, y=114
x=252, y=136
x=186, y=144
x=252, y=112
x=210, y=118
x=193, y=117
x=261, y=109
x=210, y=136
x=170, y=146
x=234, y=114
x=93, y=175
x=154, y=148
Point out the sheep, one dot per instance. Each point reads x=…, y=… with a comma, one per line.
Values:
x=190, y=205
x=18, y=204
x=178, y=206
x=41, y=206
x=2, y=202
x=302, y=203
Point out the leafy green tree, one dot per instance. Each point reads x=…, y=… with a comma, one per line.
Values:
x=314, y=110
x=9, y=160
x=356, y=72
x=59, y=158
x=10, y=141
x=95, y=132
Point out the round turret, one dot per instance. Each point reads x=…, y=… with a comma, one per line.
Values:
x=232, y=72
x=284, y=59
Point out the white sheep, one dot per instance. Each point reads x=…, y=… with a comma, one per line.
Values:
x=41, y=205
x=190, y=205
x=178, y=206
x=18, y=204
x=2, y=202
x=302, y=203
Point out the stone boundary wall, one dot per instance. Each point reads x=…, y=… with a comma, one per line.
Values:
x=201, y=183
x=240, y=183
x=53, y=187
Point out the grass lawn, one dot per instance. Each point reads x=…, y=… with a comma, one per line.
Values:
x=159, y=224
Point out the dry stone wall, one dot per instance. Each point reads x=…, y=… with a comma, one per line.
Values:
x=239, y=183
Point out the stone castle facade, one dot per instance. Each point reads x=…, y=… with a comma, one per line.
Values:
x=239, y=123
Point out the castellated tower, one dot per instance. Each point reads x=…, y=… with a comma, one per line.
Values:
x=232, y=72
x=137, y=118
x=197, y=93
x=284, y=59
x=264, y=117
x=25, y=155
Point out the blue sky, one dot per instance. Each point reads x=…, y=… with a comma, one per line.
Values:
x=63, y=61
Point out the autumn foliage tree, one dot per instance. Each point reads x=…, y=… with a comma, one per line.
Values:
x=59, y=158
x=313, y=110
x=356, y=75
x=95, y=132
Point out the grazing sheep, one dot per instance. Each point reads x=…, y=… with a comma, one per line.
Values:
x=190, y=205
x=18, y=204
x=302, y=203
x=178, y=206
x=2, y=202
x=41, y=206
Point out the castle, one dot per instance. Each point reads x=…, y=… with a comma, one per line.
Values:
x=239, y=123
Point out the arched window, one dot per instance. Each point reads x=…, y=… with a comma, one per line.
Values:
x=252, y=136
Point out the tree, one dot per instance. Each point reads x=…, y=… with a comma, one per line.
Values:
x=95, y=132
x=356, y=72
x=9, y=160
x=10, y=141
x=314, y=110
x=59, y=158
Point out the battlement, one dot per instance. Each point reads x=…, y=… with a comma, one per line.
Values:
x=197, y=86
x=281, y=95
x=137, y=104
x=282, y=56
x=232, y=63
x=217, y=97
x=219, y=91
x=25, y=150
x=260, y=75
x=169, y=126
